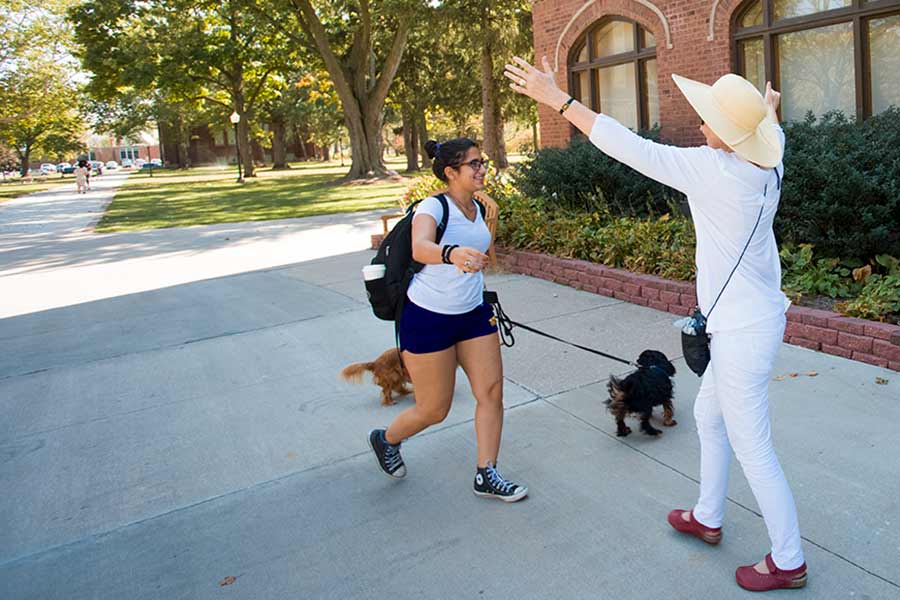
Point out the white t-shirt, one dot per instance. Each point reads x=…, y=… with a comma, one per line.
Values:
x=444, y=288
x=725, y=193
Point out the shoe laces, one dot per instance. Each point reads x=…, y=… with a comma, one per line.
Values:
x=497, y=481
x=392, y=458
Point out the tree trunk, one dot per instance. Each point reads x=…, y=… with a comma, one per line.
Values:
x=422, y=127
x=494, y=146
x=361, y=92
x=246, y=149
x=409, y=140
x=25, y=157
x=326, y=153
x=279, y=152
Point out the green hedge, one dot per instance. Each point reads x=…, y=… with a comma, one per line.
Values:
x=581, y=177
x=842, y=186
x=841, y=189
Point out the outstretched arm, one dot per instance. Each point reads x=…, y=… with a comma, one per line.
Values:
x=541, y=86
x=684, y=169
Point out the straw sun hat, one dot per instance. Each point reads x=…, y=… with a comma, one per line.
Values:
x=736, y=112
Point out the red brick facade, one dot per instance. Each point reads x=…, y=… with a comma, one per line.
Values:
x=821, y=330
x=691, y=54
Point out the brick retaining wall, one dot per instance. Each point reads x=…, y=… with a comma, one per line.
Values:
x=825, y=331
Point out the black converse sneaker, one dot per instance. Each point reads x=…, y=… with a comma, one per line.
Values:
x=388, y=455
x=489, y=483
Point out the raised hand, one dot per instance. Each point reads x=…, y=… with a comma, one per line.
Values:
x=773, y=99
x=534, y=83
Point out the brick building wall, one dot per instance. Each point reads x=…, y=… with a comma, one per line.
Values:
x=684, y=49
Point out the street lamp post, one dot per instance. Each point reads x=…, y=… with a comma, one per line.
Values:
x=235, y=119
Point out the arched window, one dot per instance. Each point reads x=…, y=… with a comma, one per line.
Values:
x=822, y=54
x=612, y=69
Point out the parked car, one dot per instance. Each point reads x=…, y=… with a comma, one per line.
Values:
x=112, y=165
x=47, y=169
x=139, y=162
x=68, y=170
x=61, y=167
x=148, y=165
x=126, y=163
x=96, y=167
x=157, y=162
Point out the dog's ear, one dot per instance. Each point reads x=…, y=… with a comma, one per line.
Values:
x=669, y=368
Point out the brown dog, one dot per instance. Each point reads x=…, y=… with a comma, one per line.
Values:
x=387, y=371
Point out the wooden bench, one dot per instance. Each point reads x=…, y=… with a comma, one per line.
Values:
x=491, y=218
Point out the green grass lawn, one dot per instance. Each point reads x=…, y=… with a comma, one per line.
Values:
x=14, y=189
x=211, y=195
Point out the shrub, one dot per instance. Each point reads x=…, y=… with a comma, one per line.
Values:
x=581, y=177
x=841, y=191
x=842, y=185
x=661, y=246
x=805, y=276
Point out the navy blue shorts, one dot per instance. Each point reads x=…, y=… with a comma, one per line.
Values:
x=423, y=331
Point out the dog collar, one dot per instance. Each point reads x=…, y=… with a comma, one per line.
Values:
x=660, y=369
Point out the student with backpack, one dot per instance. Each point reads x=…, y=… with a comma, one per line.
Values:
x=444, y=321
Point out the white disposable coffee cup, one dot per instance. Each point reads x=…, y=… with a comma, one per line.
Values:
x=371, y=272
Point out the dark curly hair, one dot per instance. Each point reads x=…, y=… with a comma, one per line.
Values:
x=447, y=154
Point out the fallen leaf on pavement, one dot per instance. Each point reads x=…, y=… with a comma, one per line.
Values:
x=881, y=381
x=227, y=581
x=784, y=376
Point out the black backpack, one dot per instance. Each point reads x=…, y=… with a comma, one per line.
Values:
x=388, y=294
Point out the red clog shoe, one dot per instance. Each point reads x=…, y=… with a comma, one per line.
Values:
x=694, y=527
x=776, y=579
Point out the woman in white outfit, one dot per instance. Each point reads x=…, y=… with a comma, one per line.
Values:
x=733, y=185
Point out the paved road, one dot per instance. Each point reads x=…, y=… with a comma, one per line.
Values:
x=170, y=415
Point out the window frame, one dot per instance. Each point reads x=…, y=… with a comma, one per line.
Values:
x=638, y=57
x=859, y=13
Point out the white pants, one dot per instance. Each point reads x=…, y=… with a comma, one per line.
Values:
x=732, y=411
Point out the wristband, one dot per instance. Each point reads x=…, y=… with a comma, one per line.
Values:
x=566, y=105
x=445, y=253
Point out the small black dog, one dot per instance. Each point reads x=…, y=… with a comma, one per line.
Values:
x=640, y=391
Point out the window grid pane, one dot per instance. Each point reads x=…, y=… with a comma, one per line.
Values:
x=648, y=40
x=785, y=9
x=652, y=95
x=752, y=60
x=614, y=37
x=817, y=71
x=583, y=54
x=583, y=81
x=753, y=16
x=884, y=56
x=617, y=94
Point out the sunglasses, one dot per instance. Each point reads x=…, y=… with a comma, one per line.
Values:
x=477, y=163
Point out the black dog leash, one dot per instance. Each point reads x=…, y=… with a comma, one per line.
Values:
x=505, y=326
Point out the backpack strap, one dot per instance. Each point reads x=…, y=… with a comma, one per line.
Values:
x=481, y=207
x=442, y=226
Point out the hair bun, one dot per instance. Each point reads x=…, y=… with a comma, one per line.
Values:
x=431, y=147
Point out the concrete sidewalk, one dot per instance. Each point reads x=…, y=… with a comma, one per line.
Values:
x=155, y=442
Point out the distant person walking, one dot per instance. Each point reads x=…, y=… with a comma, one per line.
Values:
x=733, y=185
x=82, y=175
x=446, y=323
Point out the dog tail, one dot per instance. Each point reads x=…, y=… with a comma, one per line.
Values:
x=355, y=371
x=616, y=393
